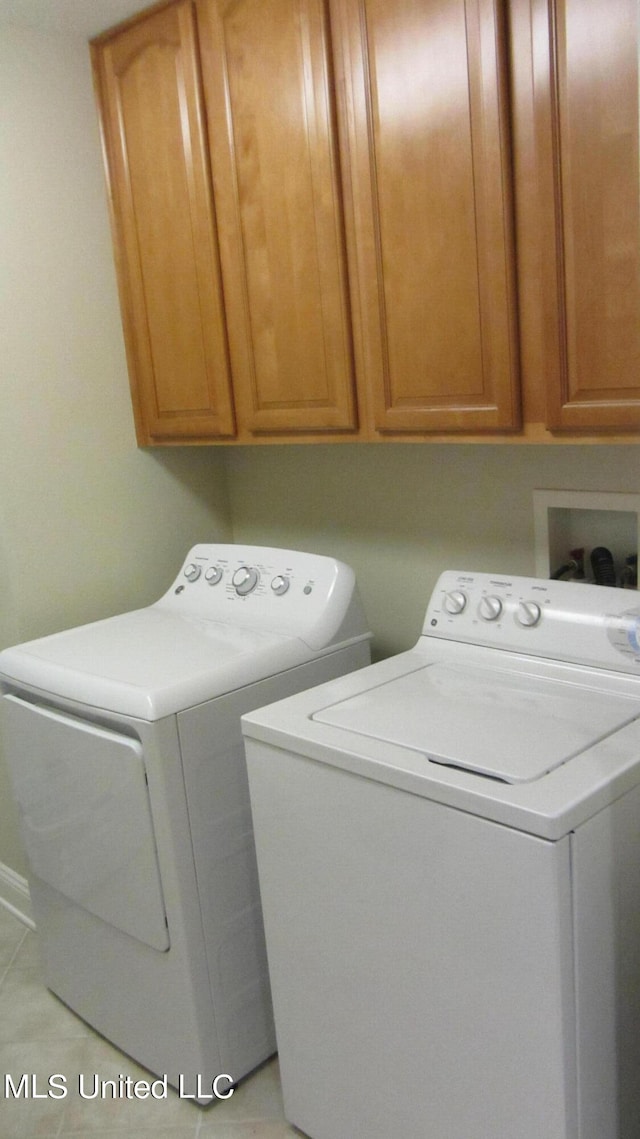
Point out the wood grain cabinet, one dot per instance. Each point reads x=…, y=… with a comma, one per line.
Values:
x=430, y=167
x=377, y=219
x=586, y=95
x=268, y=82
x=148, y=86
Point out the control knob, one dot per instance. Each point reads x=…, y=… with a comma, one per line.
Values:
x=245, y=580
x=192, y=572
x=528, y=613
x=455, y=601
x=280, y=585
x=213, y=575
x=490, y=608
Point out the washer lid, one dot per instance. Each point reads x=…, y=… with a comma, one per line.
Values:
x=508, y=726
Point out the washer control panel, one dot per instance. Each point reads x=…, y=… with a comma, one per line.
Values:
x=484, y=605
x=259, y=587
x=568, y=621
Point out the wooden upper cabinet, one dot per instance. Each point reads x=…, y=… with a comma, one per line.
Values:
x=586, y=92
x=268, y=83
x=428, y=123
x=148, y=88
x=313, y=216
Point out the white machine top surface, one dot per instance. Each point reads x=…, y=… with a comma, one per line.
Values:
x=520, y=702
x=234, y=615
x=509, y=727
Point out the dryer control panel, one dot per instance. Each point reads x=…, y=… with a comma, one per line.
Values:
x=560, y=620
x=288, y=592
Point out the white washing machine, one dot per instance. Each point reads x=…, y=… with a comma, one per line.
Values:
x=124, y=748
x=449, y=857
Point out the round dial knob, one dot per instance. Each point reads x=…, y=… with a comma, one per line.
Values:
x=528, y=613
x=245, y=580
x=490, y=608
x=192, y=572
x=455, y=601
x=213, y=575
x=280, y=585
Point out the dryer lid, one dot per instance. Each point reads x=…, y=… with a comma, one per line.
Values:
x=149, y=663
x=508, y=726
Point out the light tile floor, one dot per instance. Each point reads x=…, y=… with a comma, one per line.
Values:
x=39, y=1036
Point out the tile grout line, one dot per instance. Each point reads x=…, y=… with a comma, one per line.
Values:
x=3, y=975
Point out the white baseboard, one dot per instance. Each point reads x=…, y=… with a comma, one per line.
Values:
x=15, y=896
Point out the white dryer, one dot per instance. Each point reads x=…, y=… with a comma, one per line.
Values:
x=449, y=857
x=124, y=748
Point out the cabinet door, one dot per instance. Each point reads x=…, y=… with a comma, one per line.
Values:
x=268, y=75
x=428, y=116
x=586, y=91
x=147, y=84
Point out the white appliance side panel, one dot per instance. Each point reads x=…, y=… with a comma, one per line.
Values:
x=420, y=960
x=606, y=861
x=85, y=817
x=224, y=852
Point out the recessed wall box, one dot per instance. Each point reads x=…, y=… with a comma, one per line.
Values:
x=566, y=520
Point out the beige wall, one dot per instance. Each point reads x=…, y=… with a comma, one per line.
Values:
x=399, y=514
x=89, y=525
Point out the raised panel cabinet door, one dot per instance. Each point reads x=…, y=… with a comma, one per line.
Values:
x=428, y=115
x=268, y=75
x=148, y=87
x=586, y=104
